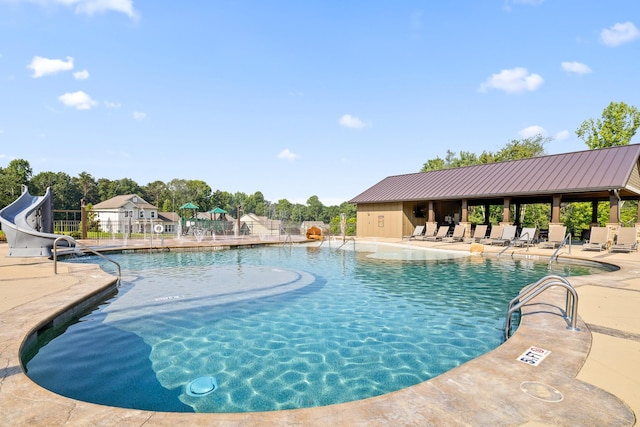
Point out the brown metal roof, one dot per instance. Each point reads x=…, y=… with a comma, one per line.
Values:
x=590, y=171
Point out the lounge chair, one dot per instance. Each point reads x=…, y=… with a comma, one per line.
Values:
x=416, y=233
x=478, y=234
x=508, y=234
x=627, y=240
x=598, y=240
x=442, y=233
x=527, y=236
x=496, y=233
x=458, y=234
x=557, y=233
x=430, y=230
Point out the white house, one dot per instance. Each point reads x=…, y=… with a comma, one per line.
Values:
x=126, y=214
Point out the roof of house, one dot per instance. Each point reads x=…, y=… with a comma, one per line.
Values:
x=592, y=172
x=168, y=216
x=118, y=202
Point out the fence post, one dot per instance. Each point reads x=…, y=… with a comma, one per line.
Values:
x=83, y=219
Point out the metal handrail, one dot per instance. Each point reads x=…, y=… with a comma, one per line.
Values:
x=515, y=241
x=350, y=239
x=534, y=289
x=560, y=246
x=76, y=243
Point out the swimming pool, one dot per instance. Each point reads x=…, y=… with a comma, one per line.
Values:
x=281, y=328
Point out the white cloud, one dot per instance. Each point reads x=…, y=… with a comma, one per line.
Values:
x=286, y=154
x=138, y=115
x=576, y=67
x=78, y=100
x=43, y=66
x=91, y=7
x=532, y=131
x=619, y=33
x=515, y=80
x=351, y=122
x=110, y=104
x=81, y=75
x=562, y=135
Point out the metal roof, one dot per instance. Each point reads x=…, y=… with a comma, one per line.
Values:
x=588, y=171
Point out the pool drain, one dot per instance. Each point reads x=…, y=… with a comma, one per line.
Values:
x=202, y=386
x=541, y=391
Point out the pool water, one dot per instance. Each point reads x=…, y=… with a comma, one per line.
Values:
x=281, y=327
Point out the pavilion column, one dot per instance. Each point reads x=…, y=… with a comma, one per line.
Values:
x=506, y=211
x=432, y=212
x=594, y=212
x=464, y=218
x=614, y=208
x=487, y=215
x=518, y=207
x=555, y=209
x=465, y=211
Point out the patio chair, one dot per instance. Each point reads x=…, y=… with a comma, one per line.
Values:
x=495, y=234
x=416, y=233
x=508, y=234
x=478, y=234
x=442, y=233
x=527, y=236
x=598, y=240
x=430, y=230
x=627, y=240
x=557, y=233
x=458, y=234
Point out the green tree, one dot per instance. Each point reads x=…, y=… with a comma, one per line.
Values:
x=88, y=187
x=17, y=173
x=617, y=126
x=154, y=192
x=315, y=209
x=523, y=148
x=66, y=195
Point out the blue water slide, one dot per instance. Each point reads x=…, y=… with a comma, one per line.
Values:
x=28, y=225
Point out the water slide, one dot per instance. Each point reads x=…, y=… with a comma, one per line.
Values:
x=28, y=225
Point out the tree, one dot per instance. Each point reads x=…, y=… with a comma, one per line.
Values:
x=17, y=173
x=515, y=149
x=87, y=186
x=617, y=126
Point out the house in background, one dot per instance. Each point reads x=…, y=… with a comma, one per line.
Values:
x=126, y=214
x=260, y=225
x=169, y=221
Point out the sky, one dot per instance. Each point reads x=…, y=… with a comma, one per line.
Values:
x=298, y=99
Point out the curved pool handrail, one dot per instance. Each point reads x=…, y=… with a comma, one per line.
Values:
x=76, y=243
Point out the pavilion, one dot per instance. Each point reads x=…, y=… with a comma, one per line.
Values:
x=396, y=205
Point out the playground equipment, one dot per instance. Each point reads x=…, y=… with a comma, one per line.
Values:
x=28, y=225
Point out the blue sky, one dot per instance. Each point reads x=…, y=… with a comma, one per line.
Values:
x=296, y=99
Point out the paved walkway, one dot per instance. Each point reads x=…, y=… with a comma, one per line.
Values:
x=594, y=372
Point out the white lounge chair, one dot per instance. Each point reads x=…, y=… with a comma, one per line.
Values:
x=442, y=233
x=430, y=230
x=557, y=233
x=458, y=234
x=416, y=233
x=598, y=239
x=478, y=234
x=527, y=236
x=627, y=240
x=508, y=234
x=495, y=234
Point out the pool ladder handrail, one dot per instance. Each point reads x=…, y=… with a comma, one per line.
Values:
x=566, y=239
x=534, y=289
x=517, y=240
x=85, y=247
x=347, y=240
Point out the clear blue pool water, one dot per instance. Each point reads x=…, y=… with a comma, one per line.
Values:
x=281, y=327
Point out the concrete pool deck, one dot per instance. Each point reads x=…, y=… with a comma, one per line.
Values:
x=590, y=377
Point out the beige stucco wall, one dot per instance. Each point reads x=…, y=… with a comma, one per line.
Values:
x=386, y=220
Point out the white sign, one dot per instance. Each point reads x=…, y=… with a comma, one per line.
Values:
x=534, y=355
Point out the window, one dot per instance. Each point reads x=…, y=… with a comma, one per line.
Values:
x=153, y=214
x=141, y=214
